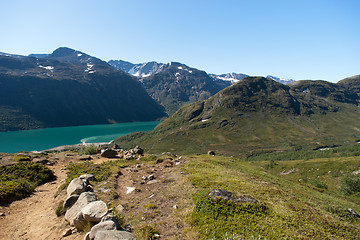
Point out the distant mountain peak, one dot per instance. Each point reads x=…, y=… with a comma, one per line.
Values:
x=140, y=69
x=64, y=51
x=280, y=80
x=230, y=77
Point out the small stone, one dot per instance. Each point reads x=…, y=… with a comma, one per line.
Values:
x=67, y=232
x=2, y=214
x=152, y=182
x=175, y=207
x=120, y=208
x=151, y=177
x=355, y=214
x=130, y=190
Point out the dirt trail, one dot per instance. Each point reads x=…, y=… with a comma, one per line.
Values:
x=33, y=218
x=152, y=202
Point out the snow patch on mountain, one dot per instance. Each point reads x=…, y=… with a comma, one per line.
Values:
x=47, y=67
x=280, y=80
x=231, y=77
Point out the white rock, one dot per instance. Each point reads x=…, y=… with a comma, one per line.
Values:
x=94, y=211
x=83, y=200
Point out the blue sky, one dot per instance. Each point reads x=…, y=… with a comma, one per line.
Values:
x=292, y=39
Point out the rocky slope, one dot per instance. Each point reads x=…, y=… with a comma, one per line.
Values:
x=178, y=84
x=259, y=114
x=68, y=88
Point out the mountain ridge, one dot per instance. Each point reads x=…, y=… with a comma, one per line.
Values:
x=69, y=88
x=256, y=114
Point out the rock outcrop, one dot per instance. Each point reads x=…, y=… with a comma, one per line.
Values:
x=83, y=200
x=77, y=186
x=84, y=210
x=226, y=195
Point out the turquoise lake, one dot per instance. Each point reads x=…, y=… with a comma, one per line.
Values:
x=41, y=139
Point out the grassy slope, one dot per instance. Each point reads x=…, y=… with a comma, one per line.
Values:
x=258, y=115
x=287, y=209
x=295, y=210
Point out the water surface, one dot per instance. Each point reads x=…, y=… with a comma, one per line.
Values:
x=41, y=139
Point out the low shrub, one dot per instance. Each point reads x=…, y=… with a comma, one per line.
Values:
x=101, y=171
x=20, y=179
x=88, y=149
x=147, y=232
x=350, y=184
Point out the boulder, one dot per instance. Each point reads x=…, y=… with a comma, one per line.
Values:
x=87, y=236
x=83, y=200
x=109, y=153
x=94, y=211
x=215, y=193
x=114, y=235
x=212, y=153
x=352, y=212
x=102, y=226
x=71, y=200
x=116, y=146
x=111, y=217
x=226, y=195
x=87, y=176
x=79, y=221
x=77, y=186
x=138, y=150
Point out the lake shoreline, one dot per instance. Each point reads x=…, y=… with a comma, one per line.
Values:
x=52, y=139
x=70, y=147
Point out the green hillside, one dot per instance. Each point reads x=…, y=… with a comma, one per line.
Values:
x=258, y=115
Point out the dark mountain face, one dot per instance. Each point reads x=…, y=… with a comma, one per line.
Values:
x=69, y=88
x=178, y=84
x=255, y=115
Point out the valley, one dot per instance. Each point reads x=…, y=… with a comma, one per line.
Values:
x=234, y=157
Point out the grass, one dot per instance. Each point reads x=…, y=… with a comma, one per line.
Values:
x=19, y=180
x=287, y=208
x=342, y=151
x=313, y=208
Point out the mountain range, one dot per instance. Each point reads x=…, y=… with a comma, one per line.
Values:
x=174, y=85
x=146, y=69
x=69, y=88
